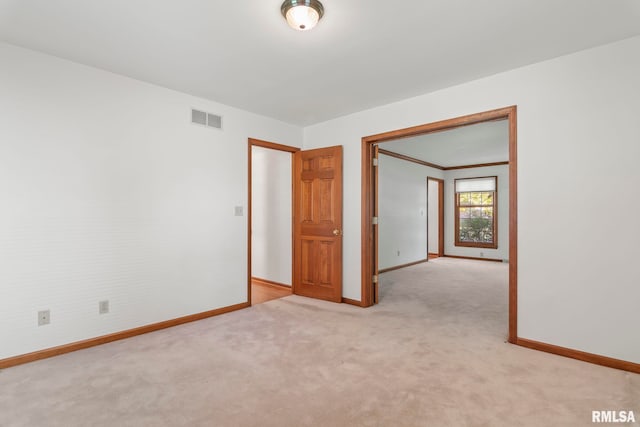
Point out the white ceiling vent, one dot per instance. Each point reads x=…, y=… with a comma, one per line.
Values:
x=206, y=119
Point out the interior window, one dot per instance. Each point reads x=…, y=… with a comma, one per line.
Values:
x=476, y=212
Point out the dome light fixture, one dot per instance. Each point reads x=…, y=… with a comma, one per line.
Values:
x=302, y=15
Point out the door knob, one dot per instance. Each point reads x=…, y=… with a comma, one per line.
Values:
x=337, y=232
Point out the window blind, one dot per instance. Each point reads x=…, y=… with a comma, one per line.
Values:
x=476, y=184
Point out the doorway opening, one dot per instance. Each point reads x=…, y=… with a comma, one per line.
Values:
x=294, y=222
x=435, y=217
x=270, y=213
x=369, y=211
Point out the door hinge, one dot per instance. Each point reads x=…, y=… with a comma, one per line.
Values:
x=374, y=279
x=375, y=162
x=374, y=220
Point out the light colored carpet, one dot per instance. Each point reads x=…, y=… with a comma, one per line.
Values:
x=431, y=354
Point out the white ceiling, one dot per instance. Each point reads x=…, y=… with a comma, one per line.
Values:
x=486, y=142
x=362, y=54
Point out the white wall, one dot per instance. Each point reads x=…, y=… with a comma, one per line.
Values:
x=109, y=192
x=402, y=210
x=502, y=252
x=433, y=224
x=271, y=220
x=578, y=133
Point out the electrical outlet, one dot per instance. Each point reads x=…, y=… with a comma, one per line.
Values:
x=44, y=317
x=238, y=211
x=103, y=307
x=481, y=254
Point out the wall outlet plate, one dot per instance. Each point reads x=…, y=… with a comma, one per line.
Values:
x=103, y=307
x=44, y=317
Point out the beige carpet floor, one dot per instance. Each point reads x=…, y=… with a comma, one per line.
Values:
x=432, y=353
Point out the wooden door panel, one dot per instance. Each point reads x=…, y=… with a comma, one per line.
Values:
x=325, y=202
x=320, y=258
x=317, y=184
x=325, y=262
x=306, y=201
x=306, y=263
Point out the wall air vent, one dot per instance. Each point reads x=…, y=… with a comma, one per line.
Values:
x=214, y=121
x=206, y=119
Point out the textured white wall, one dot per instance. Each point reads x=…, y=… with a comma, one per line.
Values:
x=402, y=208
x=577, y=120
x=109, y=192
x=433, y=205
x=271, y=243
x=502, y=172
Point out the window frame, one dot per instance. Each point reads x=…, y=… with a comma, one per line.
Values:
x=456, y=204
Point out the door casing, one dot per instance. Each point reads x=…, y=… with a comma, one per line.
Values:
x=369, y=231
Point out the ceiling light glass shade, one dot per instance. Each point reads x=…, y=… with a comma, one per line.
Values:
x=302, y=15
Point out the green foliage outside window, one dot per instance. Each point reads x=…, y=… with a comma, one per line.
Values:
x=476, y=217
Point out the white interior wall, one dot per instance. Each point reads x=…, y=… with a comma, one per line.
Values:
x=110, y=193
x=97, y=170
x=271, y=221
x=402, y=210
x=577, y=119
x=433, y=223
x=502, y=252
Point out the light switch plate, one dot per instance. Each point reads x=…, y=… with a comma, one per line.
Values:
x=239, y=211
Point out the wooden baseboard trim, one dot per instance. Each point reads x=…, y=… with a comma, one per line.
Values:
x=474, y=258
x=269, y=283
x=398, y=267
x=351, y=302
x=580, y=355
x=92, y=342
x=432, y=255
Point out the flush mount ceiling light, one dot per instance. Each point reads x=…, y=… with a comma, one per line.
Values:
x=302, y=15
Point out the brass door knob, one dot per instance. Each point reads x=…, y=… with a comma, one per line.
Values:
x=337, y=232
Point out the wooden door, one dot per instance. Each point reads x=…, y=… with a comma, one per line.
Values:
x=317, y=227
x=375, y=232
